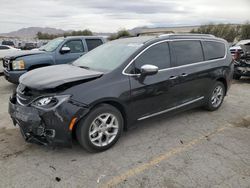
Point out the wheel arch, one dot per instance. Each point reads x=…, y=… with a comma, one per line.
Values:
x=120, y=107
x=111, y=102
x=224, y=81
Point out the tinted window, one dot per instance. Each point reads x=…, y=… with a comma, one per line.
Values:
x=187, y=52
x=157, y=55
x=93, y=43
x=75, y=46
x=9, y=43
x=4, y=48
x=213, y=50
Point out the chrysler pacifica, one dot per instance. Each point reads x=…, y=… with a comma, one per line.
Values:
x=127, y=80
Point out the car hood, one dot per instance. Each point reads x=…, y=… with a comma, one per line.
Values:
x=235, y=48
x=53, y=76
x=9, y=52
x=22, y=53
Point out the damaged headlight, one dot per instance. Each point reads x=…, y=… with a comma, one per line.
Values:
x=50, y=101
x=18, y=65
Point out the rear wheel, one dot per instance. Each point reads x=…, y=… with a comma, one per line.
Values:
x=216, y=97
x=101, y=129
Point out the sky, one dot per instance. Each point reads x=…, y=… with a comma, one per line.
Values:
x=112, y=15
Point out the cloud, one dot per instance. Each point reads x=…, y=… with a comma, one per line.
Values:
x=138, y=7
x=111, y=15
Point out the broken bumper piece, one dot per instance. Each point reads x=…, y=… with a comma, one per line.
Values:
x=242, y=68
x=46, y=127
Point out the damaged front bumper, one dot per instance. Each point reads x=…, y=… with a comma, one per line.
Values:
x=242, y=68
x=46, y=127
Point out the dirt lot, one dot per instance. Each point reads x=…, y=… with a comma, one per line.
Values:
x=192, y=149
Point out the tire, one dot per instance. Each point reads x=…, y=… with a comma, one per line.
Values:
x=211, y=105
x=236, y=76
x=94, y=134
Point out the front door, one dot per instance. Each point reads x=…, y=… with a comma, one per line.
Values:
x=76, y=51
x=153, y=93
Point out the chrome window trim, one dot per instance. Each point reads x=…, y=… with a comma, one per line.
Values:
x=170, y=68
x=170, y=109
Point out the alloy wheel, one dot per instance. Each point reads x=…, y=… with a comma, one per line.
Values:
x=217, y=96
x=103, y=130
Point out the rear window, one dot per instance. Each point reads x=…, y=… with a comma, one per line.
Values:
x=187, y=52
x=213, y=50
x=93, y=43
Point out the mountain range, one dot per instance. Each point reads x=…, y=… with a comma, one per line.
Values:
x=31, y=32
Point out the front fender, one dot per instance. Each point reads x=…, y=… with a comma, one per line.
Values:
x=38, y=60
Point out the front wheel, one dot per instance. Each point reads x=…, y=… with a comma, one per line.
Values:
x=101, y=129
x=216, y=97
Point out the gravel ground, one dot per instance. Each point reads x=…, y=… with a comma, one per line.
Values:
x=191, y=149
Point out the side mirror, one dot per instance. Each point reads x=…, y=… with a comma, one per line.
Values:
x=149, y=70
x=65, y=50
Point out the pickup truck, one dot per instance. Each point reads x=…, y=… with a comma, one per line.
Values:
x=58, y=51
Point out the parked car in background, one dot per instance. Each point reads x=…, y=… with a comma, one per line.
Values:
x=5, y=51
x=118, y=83
x=237, y=47
x=29, y=46
x=8, y=43
x=58, y=51
x=242, y=61
x=6, y=48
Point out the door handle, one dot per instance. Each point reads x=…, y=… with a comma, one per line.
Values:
x=184, y=74
x=173, y=77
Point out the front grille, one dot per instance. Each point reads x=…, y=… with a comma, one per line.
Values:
x=7, y=64
x=234, y=50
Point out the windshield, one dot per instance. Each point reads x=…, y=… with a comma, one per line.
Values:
x=107, y=57
x=52, y=45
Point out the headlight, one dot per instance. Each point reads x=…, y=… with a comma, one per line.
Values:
x=45, y=101
x=18, y=65
x=49, y=102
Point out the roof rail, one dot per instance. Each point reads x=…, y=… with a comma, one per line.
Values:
x=186, y=35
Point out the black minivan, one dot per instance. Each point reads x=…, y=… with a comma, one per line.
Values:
x=123, y=81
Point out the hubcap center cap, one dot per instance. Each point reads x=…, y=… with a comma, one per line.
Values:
x=103, y=129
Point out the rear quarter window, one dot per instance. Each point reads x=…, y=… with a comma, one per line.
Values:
x=214, y=50
x=93, y=43
x=187, y=52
